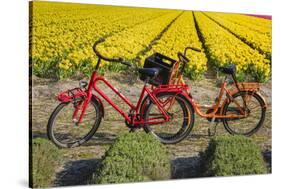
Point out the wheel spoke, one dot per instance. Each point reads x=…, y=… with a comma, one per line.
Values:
x=174, y=129
x=253, y=111
x=65, y=132
x=65, y=124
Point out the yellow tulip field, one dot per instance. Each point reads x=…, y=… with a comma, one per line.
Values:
x=62, y=36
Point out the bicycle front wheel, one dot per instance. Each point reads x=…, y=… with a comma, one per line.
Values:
x=182, y=118
x=62, y=129
x=255, y=108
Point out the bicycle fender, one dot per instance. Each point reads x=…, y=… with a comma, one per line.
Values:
x=187, y=97
x=97, y=100
x=262, y=97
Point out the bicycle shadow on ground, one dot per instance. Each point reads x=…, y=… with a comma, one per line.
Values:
x=38, y=134
x=186, y=167
x=198, y=136
x=267, y=155
x=78, y=172
x=101, y=138
x=104, y=138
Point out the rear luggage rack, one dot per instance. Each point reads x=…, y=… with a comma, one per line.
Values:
x=252, y=86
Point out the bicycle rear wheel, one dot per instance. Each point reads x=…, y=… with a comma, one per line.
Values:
x=182, y=118
x=62, y=129
x=255, y=107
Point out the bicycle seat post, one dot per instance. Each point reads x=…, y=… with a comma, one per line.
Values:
x=146, y=81
x=235, y=81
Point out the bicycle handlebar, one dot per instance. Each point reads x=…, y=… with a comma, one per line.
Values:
x=186, y=60
x=119, y=60
x=183, y=58
x=191, y=48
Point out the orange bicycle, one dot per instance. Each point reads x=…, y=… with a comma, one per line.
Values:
x=241, y=108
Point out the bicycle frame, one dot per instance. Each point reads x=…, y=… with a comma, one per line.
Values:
x=215, y=110
x=135, y=118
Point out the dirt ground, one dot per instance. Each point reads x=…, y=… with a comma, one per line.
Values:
x=79, y=163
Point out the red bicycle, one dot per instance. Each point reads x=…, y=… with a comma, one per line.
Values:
x=162, y=108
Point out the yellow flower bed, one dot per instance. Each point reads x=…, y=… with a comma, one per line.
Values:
x=251, y=22
x=129, y=43
x=181, y=34
x=62, y=35
x=255, y=36
x=224, y=48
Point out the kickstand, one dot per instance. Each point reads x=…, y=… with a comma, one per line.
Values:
x=215, y=128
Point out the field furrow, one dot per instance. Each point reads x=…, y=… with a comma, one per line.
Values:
x=181, y=34
x=252, y=23
x=257, y=40
x=131, y=42
x=68, y=44
x=224, y=48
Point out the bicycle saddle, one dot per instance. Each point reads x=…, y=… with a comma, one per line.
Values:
x=229, y=69
x=149, y=72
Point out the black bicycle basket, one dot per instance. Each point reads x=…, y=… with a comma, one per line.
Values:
x=163, y=62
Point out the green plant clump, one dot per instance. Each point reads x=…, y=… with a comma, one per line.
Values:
x=233, y=155
x=134, y=157
x=45, y=158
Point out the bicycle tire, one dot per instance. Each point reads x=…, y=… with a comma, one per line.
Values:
x=186, y=126
x=85, y=138
x=259, y=123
